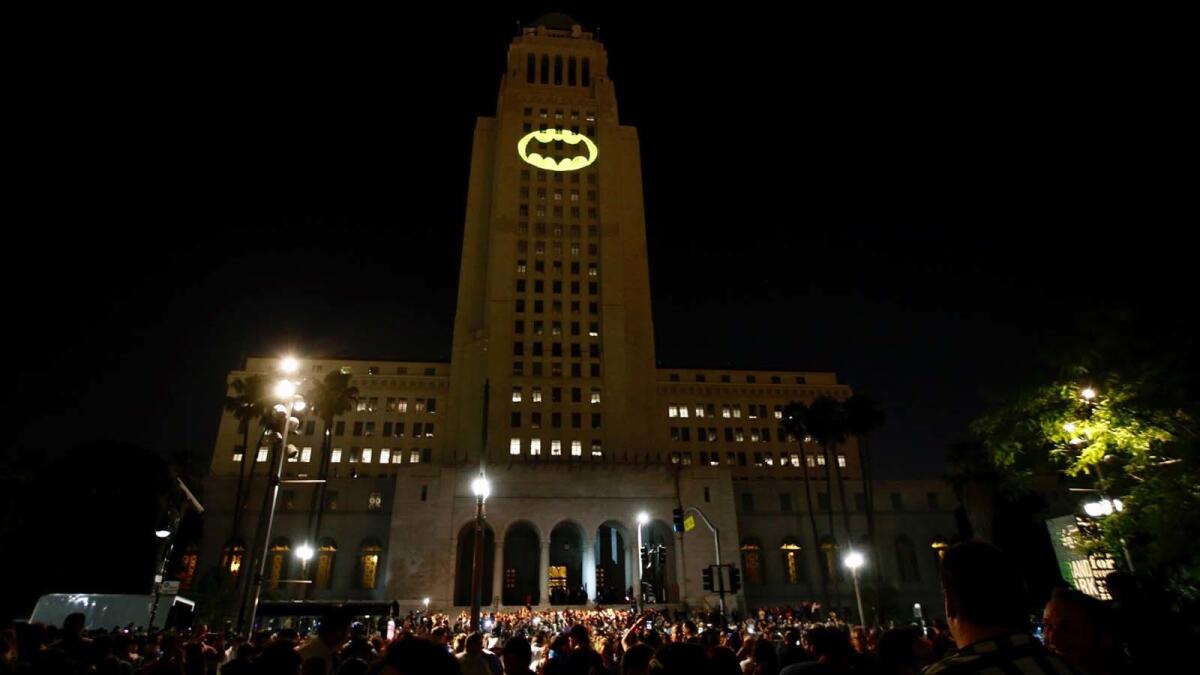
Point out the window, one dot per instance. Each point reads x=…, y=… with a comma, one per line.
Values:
x=726, y=411
x=306, y=454
x=535, y=446
x=397, y=457
x=820, y=460
x=336, y=456
x=752, y=561
x=401, y=405
x=366, y=455
x=420, y=406
x=262, y=454
x=790, y=551
x=375, y=501
x=537, y=394
x=778, y=412
x=596, y=450
x=699, y=411
x=556, y=448
x=368, y=565
x=576, y=448
x=516, y=394
x=358, y=428
x=841, y=461
x=514, y=446
x=370, y=430
x=385, y=455
x=672, y=411
x=595, y=395
x=324, y=572
x=906, y=560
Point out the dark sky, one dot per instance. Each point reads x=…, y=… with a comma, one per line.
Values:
x=919, y=204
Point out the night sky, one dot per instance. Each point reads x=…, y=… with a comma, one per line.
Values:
x=921, y=206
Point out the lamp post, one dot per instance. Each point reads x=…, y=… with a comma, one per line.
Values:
x=854, y=560
x=642, y=519
x=290, y=402
x=481, y=488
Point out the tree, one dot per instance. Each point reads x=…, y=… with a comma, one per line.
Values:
x=248, y=403
x=827, y=425
x=864, y=416
x=1123, y=416
x=795, y=424
x=329, y=398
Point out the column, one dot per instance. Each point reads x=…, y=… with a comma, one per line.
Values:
x=680, y=579
x=589, y=566
x=544, y=574
x=498, y=574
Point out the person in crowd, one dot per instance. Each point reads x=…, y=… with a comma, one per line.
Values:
x=985, y=609
x=1078, y=628
x=472, y=661
x=903, y=651
x=516, y=657
x=319, y=653
x=583, y=659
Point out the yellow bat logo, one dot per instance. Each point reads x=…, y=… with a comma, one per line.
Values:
x=549, y=163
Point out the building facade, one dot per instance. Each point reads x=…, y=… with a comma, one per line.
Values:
x=553, y=391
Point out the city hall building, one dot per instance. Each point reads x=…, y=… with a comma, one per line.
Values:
x=553, y=391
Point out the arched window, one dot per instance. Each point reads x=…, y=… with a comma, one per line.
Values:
x=530, y=68
x=752, y=561
x=233, y=556
x=369, y=555
x=544, y=77
x=187, y=566
x=906, y=559
x=325, y=556
x=571, y=77
x=587, y=72
x=831, y=568
x=793, y=564
x=278, y=556
x=558, y=70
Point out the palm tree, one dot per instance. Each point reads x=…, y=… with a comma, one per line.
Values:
x=247, y=404
x=827, y=426
x=330, y=397
x=795, y=423
x=863, y=416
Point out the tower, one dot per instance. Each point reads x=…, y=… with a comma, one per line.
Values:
x=554, y=298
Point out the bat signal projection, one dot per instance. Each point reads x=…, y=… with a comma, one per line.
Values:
x=549, y=163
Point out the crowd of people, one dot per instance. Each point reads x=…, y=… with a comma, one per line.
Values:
x=987, y=629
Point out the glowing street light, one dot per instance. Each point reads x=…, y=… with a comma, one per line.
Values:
x=1088, y=393
x=426, y=603
x=289, y=365
x=162, y=533
x=855, y=560
x=285, y=389
x=481, y=488
x=304, y=552
x=642, y=519
x=1098, y=509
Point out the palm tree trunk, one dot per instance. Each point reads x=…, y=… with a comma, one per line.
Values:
x=237, y=500
x=318, y=507
x=812, y=521
x=837, y=470
x=864, y=461
x=837, y=584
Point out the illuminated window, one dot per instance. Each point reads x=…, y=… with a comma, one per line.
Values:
x=795, y=457
x=594, y=330
x=414, y=457
x=516, y=394
x=521, y=267
x=237, y=455
x=535, y=446
x=820, y=460
x=683, y=411
x=402, y=405
x=368, y=564
x=752, y=561
x=277, y=562
x=514, y=446
x=754, y=436
x=366, y=455
x=842, y=461
x=593, y=270
x=262, y=454
x=672, y=411
x=810, y=461
x=232, y=557
x=778, y=412
x=398, y=457
x=375, y=501
x=336, y=456
x=537, y=394
x=737, y=411
x=791, y=561
x=576, y=448
x=385, y=455
x=324, y=575
x=726, y=411
x=699, y=411
x=739, y=435
x=595, y=395
x=556, y=448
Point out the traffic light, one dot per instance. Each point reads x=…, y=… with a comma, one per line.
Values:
x=708, y=578
x=677, y=519
x=660, y=554
x=645, y=556
x=735, y=579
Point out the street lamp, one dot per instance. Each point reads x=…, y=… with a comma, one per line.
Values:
x=1088, y=394
x=481, y=488
x=286, y=392
x=855, y=560
x=642, y=519
x=162, y=533
x=426, y=603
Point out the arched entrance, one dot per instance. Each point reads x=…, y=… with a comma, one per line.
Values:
x=613, y=580
x=465, y=560
x=566, y=565
x=522, y=558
